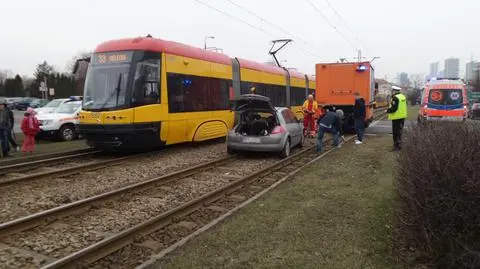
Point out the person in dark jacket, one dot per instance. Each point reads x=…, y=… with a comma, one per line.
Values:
x=330, y=122
x=3, y=128
x=359, y=112
x=8, y=132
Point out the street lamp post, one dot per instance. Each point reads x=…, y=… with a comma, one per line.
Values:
x=205, y=41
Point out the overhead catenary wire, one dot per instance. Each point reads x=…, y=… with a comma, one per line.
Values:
x=345, y=23
x=331, y=24
x=273, y=25
x=248, y=24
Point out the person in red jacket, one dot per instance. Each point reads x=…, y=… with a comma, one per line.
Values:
x=30, y=128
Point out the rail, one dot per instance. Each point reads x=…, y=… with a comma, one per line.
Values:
x=43, y=217
x=103, y=248
x=28, y=159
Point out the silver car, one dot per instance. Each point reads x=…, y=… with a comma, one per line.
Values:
x=263, y=128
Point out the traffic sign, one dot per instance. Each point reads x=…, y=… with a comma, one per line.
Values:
x=52, y=91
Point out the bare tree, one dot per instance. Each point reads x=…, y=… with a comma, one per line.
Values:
x=417, y=80
x=4, y=74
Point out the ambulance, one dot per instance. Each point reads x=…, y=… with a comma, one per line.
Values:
x=444, y=99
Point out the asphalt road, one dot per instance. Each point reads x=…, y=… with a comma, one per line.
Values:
x=385, y=127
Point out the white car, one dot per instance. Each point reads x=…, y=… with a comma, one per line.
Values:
x=52, y=105
x=61, y=122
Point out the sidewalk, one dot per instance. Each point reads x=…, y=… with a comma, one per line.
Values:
x=336, y=214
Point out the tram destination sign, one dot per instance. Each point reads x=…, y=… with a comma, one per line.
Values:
x=117, y=57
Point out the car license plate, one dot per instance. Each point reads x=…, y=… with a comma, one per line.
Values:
x=251, y=140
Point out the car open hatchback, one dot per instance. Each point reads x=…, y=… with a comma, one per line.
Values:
x=262, y=127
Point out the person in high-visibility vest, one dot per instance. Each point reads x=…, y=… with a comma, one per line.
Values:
x=309, y=108
x=397, y=113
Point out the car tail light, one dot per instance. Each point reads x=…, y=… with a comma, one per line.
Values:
x=278, y=130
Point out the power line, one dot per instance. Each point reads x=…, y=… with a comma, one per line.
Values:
x=248, y=24
x=271, y=24
x=331, y=24
x=344, y=22
x=235, y=18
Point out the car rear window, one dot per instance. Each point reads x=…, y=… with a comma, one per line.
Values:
x=445, y=96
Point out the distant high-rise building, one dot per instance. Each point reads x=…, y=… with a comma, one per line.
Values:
x=452, y=68
x=472, y=70
x=404, y=80
x=441, y=73
x=434, y=69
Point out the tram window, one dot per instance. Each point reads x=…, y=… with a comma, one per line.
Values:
x=188, y=93
x=297, y=96
x=276, y=93
x=147, y=83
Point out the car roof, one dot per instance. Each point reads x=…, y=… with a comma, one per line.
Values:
x=74, y=102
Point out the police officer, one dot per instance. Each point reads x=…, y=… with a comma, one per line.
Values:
x=397, y=113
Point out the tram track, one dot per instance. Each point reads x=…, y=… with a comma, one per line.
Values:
x=31, y=162
x=27, y=197
x=57, y=167
x=150, y=199
x=37, y=235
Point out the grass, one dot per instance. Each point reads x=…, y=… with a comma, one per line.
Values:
x=336, y=214
x=413, y=112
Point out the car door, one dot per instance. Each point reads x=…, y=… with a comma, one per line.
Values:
x=298, y=128
x=290, y=125
x=298, y=125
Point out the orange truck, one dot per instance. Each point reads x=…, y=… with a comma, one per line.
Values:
x=336, y=84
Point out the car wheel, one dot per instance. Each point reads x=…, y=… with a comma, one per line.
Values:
x=286, y=149
x=67, y=133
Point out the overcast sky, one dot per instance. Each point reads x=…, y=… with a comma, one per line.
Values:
x=406, y=34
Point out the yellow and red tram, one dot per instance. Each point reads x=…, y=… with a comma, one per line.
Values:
x=148, y=92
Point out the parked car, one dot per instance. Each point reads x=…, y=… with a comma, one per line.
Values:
x=23, y=103
x=52, y=105
x=61, y=122
x=263, y=128
x=475, y=111
x=37, y=103
x=11, y=101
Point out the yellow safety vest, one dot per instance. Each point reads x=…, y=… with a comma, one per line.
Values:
x=401, y=112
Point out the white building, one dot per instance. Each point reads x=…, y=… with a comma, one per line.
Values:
x=434, y=69
x=452, y=68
